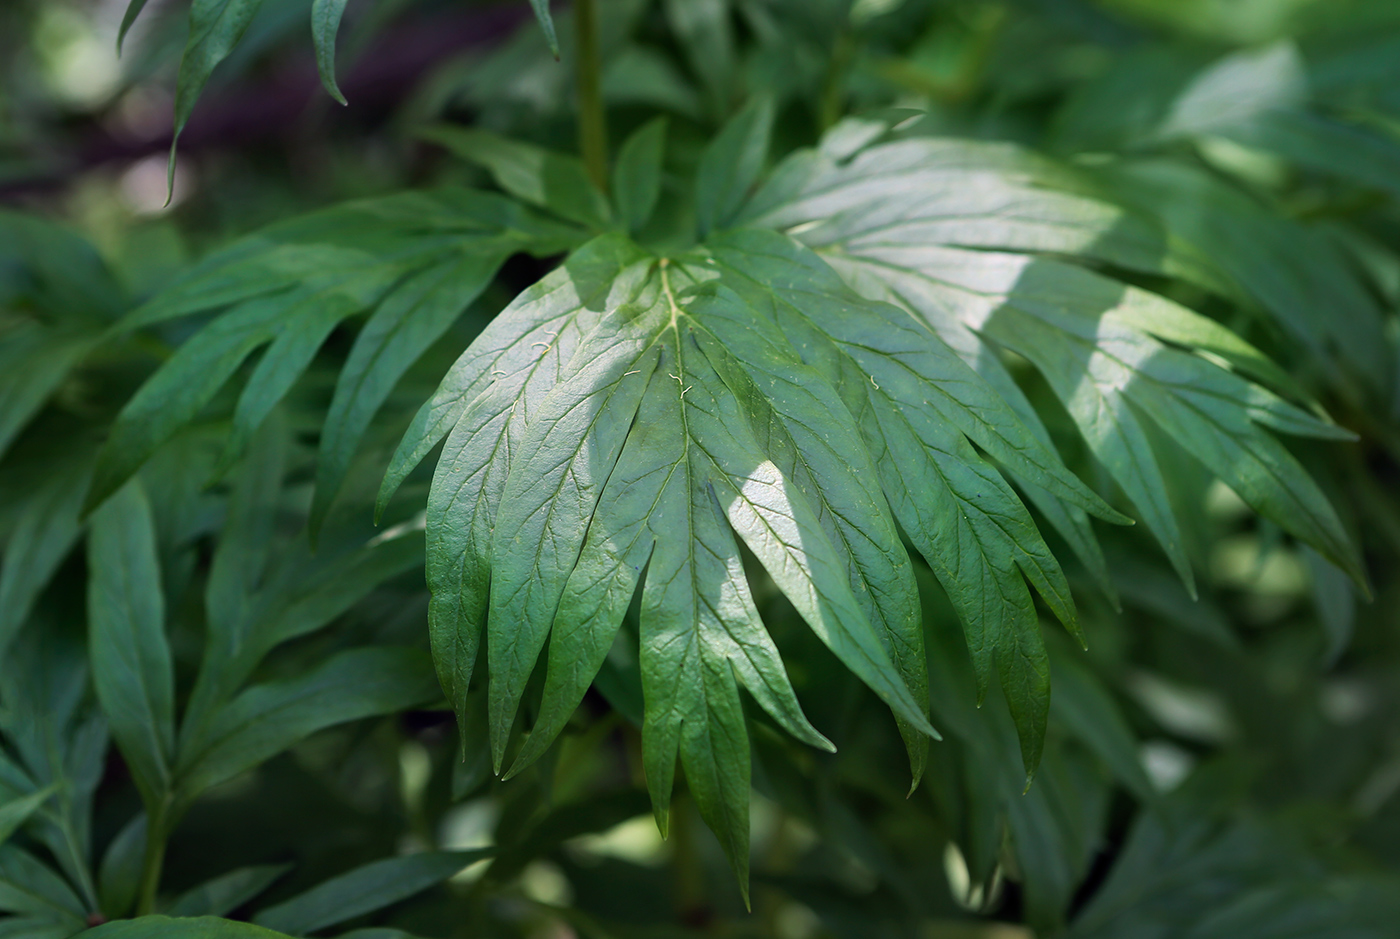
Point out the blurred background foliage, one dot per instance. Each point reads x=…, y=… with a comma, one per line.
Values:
x=1220, y=767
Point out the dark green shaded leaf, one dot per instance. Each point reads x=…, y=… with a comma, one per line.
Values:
x=267, y=719
x=731, y=164
x=133, y=10
x=43, y=534
x=555, y=181
x=14, y=813
x=119, y=875
x=636, y=181
x=34, y=361
x=411, y=318
x=165, y=927
x=365, y=890
x=28, y=886
x=132, y=669
x=227, y=892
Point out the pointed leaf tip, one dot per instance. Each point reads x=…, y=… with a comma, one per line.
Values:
x=541, y=8
x=325, y=25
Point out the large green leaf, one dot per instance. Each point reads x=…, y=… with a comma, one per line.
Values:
x=1098, y=342
x=573, y=461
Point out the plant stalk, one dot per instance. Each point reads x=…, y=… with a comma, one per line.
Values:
x=154, y=861
x=592, y=121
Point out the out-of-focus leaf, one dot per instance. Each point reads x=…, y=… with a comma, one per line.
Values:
x=132, y=669
x=325, y=24
x=1087, y=710
x=166, y=927
x=546, y=21
x=555, y=181
x=34, y=361
x=267, y=719
x=43, y=534
x=636, y=180
x=289, y=286
x=365, y=890
x=28, y=886
x=227, y=892
x=216, y=26
x=16, y=812
x=119, y=875
x=707, y=42
x=133, y=10
x=731, y=164
x=1335, y=599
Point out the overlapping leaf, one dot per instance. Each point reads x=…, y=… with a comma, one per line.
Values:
x=619, y=422
x=413, y=261
x=1112, y=353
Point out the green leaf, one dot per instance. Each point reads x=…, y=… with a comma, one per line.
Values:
x=706, y=39
x=44, y=532
x=958, y=511
x=1278, y=264
x=133, y=10
x=546, y=20
x=483, y=402
x=216, y=26
x=183, y=385
x=364, y=890
x=301, y=331
x=409, y=320
x=266, y=719
x=636, y=182
x=1086, y=708
x=132, y=669
x=227, y=892
x=27, y=886
x=325, y=24
x=1335, y=600
x=731, y=164
x=119, y=876
x=1070, y=323
x=965, y=193
x=14, y=813
x=165, y=927
x=644, y=434
x=36, y=927
x=34, y=361
x=555, y=181
x=290, y=286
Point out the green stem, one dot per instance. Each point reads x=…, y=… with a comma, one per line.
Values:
x=592, y=122
x=154, y=861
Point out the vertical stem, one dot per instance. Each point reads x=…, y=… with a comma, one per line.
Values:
x=592, y=123
x=154, y=861
x=833, y=99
